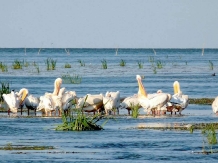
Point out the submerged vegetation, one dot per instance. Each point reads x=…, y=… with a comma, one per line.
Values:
x=201, y=101
x=82, y=63
x=104, y=64
x=76, y=120
x=50, y=64
x=17, y=64
x=3, y=67
x=122, y=63
x=135, y=110
x=67, y=65
x=9, y=146
x=68, y=79
x=140, y=64
x=5, y=89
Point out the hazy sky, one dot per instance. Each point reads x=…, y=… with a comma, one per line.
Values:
x=109, y=23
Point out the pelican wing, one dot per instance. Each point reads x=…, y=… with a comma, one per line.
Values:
x=215, y=105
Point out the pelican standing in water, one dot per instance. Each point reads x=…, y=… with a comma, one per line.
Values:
x=128, y=102
x=15, y=100
x=155, y=102
x=52, y=101
x=179, y=101
x=215, y=106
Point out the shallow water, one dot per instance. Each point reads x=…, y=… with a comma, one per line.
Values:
x=119, y=141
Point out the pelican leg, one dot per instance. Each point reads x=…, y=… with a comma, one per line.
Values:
x=9, y=112
x=28, y=111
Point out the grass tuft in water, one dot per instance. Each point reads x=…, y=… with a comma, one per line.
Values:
x=140, y=64
x=210, y=65
x=5, y=89
x=9, y=146
x=67, y=65
x=82, y=63
x=122, y=63
x=104, y=64
x=159, y=64
x=50, y=64
x=151, y=59
x=3, y=67
x=25, y=63
x=17, y=64
x=79, y=121
x=75, y=79
x=135, y=110
x=209, y=137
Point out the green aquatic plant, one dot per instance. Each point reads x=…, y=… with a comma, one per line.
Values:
x=209, y=137
x=5, y=89
x=67, y=65
x=3, y=67
x=135, y=110
x=68, y=79
x=159, y=64
x=154, y=70
x=37, y=67
x=151, y=59
x=104, y=64
x=210, y=65
x=122, y=63
x=140, y=64
x=208, y=131
x=25, y=63
x=17, y=64
x=82, y=63
x=201, y=101
x=79, y=121
x=50, y=64
x=9, y=146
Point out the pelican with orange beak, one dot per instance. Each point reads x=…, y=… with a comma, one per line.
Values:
x=149, y=103
x=15, y=100
x=179, y=100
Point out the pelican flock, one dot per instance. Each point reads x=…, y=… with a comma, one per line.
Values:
x=61, y=101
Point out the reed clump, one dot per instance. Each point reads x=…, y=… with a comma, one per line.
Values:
x=5, y=89
x=135, y=110
x=74, y=79
x=210, y=65
x=50, y=64
x=3, y=67
x=79, y=121
x=82, y=63
x=201, y=101
x=9, y=146
x=140, y=64
x=17, y=64
x=104, y=64
x=122, y=63
x=67, y=65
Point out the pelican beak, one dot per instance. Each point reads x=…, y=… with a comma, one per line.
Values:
x=176, y=87
x=141, y=91
x=24, y=95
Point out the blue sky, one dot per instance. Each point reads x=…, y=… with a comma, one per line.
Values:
x=109, y=23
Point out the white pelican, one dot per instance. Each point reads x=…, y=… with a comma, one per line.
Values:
x=52, y=101
x=215, y=105
x=154, y=102
x=90, y=103
x=67, y=98
x=128, y=101
x=111, y=100
x=179, y=101
x=15, y=100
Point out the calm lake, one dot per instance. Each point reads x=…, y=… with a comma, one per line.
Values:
x=120, y=141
